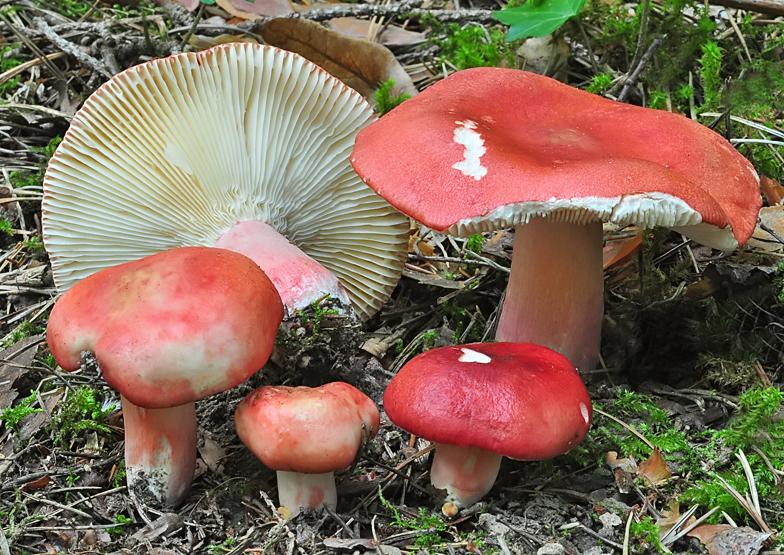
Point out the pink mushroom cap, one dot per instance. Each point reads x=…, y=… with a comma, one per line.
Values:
x=489, y=148
x=171, y=328
x=306, y=430
x=519, y=400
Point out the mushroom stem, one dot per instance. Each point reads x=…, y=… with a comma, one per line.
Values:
x=160, y=451
x=466, y=473
x=297, y=490
x=299, y=279
x=555, y=292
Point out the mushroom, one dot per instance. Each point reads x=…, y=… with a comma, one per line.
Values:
x=242, y=146
x=167, y=330
x=306, y=434
x=492, y=148
x=481, y=402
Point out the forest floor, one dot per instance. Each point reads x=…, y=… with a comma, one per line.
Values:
x=689, y=420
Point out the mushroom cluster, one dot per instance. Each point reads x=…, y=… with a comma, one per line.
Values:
x=491, y=148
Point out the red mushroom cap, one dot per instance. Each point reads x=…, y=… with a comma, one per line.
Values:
x=520, y=400
x=170, y=328
x=490, y=148
x=307, y=430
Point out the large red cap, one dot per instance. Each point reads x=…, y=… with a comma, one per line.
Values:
x=170, y=328
x=520, y=400
x=489, y=148
x=303, y=429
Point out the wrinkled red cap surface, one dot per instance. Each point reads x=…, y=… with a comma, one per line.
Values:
x=526, y=403
x=303, y=429
x=170, y=328
x=545, y=140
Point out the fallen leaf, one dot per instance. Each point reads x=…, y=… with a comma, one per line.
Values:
x=617, y=251
x=773, y=218
x=41, y=482
x=723, y=539
x=17, y=357
x=165, y=525
x=772, y=190
x=670, y=518
x=358, y=29
x=360, y=64
x=257, y=9
x=211, y=453
x=200, y=42
x=624, y=471
x=32, y=422
x=500, y=244
x=654, y=469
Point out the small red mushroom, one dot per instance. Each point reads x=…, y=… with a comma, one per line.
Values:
x=483, y=401
x=168, y=330
x=492, y=148
x=306, y=434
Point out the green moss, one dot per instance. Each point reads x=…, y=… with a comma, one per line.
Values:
x=469, y=46
x=12, y=416
x=646, y=535
x=710, y=72
x=384, y=100
x=600, y=83
x=81, y=411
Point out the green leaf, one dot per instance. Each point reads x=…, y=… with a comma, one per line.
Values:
x=537, y=19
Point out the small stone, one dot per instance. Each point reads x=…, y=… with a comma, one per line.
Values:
x=551, y=549
x=490, y=523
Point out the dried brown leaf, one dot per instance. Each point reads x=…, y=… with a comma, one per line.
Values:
x=654, y=469
x=360, y=64
x=358, y=29
x=772, y=190
x=624, y=471
x=16, y=356
x=773, y=218
x=257, y=9
x=723, y=539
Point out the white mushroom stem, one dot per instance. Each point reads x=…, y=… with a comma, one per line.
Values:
x=160, y=451
x=299, y=279
x=555, y=292
x=466, y=473
x=297, y=491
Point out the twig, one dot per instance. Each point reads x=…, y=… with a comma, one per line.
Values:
x=70, y=48
x=402, y=9
x=646, y=10
x=627, y=86
x=190, y=32
x=772, y=232
x=627, y=426
x=771, y=7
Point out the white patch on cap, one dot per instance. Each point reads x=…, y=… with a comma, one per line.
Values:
x=474, y=149
x=473, y=356
x=584, y=412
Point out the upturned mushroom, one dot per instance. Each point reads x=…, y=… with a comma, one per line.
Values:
x=167, y=330
x=306, y=434
x=490, y=148
x=485, y=401
x=243, y=147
